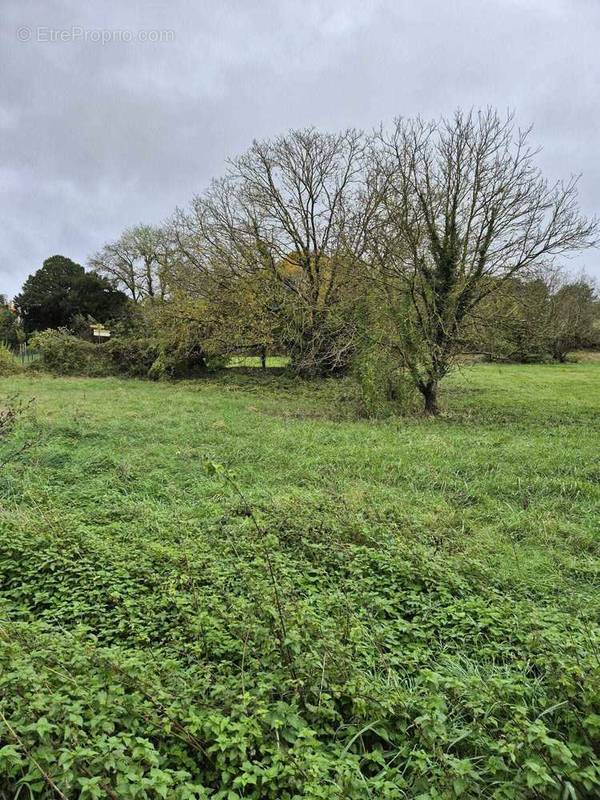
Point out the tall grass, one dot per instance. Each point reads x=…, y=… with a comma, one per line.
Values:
x=391, y=608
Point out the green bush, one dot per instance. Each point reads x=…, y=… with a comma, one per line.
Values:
x=65, y=354
x=151, y=358
x=132, y=356
x=178, y=361
x=158, y=340
x=9, y=365
x=383, y=387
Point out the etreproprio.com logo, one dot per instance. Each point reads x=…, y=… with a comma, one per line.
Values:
x=77, y=33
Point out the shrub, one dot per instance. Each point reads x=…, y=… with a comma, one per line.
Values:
x=383, y=388
x=487, y=690
x=178, y=361
x=532, y=322
x=65, y=354
x=162, y=340
x=151, y=358
x=9, y=365
x=132, y=356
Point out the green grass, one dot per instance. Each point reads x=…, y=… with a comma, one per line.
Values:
x=437, y=581
x=254, y=361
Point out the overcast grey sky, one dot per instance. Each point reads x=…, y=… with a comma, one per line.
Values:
x=95, y=137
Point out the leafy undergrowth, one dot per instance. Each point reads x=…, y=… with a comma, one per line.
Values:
x=387, y=610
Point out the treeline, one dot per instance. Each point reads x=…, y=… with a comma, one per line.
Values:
x=388, y=254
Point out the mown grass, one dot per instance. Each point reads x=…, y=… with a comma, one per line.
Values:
x=495, y=506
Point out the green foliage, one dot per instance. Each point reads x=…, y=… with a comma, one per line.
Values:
x=133, y=356
x=327, y=609
x=61, y=290
x=65, y=354
x=164, y=340
x=152, y=358
x=384, y=387
x=11, y=333
x=182, y=333
x=162, y=345
x=9, y=365
x=154, y=345
x=532, y=322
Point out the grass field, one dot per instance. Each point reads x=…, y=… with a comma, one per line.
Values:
x=344, y=609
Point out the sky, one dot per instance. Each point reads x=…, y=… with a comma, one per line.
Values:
x=113, y=113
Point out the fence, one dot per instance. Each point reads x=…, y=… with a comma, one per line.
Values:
x=25, y=353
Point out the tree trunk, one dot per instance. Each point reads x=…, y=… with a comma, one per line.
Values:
x=560, y=355
x=429, y=392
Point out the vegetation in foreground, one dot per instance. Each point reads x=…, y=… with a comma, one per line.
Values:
x=224, y=589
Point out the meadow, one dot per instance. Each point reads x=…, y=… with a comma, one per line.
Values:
x=234, y=587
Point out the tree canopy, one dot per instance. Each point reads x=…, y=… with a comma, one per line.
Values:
x=60, y=290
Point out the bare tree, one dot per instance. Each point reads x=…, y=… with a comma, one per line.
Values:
x=117, y=262
x=137, y=262
x=295, y=209
x=465, y=209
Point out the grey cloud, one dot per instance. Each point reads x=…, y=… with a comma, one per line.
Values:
x=96, y=137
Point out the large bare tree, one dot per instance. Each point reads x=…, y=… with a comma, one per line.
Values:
x=294, y=209
x=465, y=209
